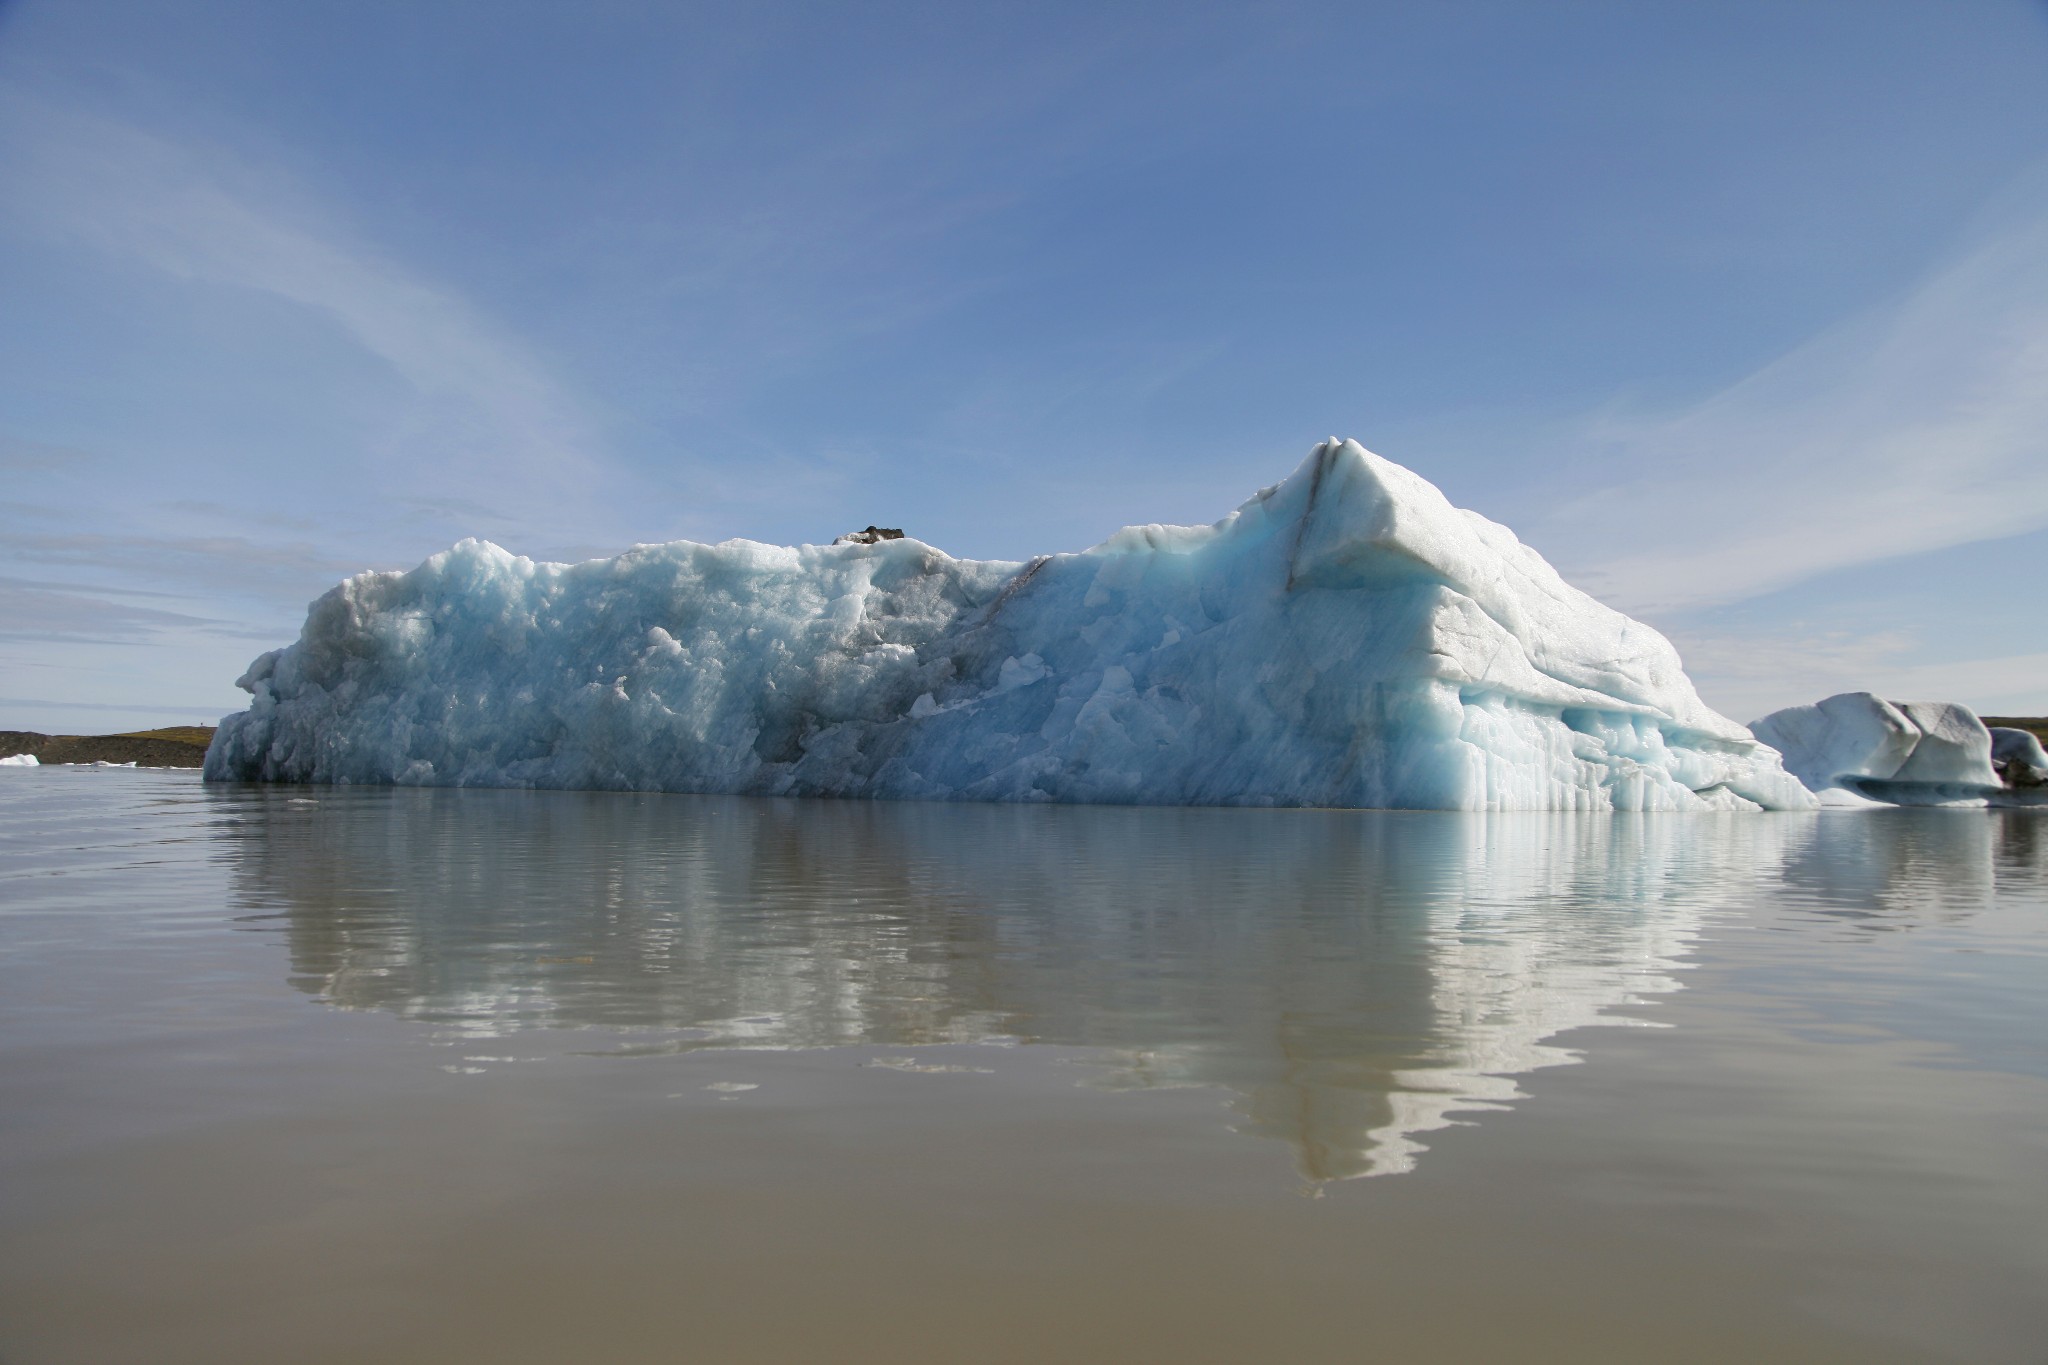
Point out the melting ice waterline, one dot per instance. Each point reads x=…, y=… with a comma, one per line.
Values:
x=1345, y=638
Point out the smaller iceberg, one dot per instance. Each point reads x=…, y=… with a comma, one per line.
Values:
x=21, y=761
x=1918, y=753
x=2019, y=758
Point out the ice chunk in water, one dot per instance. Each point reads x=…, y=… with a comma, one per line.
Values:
x=2019, y=757
x=1345, y=638
x=1892, y=751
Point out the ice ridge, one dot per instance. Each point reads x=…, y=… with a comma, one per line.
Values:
x=1345, y=638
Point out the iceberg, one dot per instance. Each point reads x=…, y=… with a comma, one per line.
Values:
x=1346, y=637
x=1902, y=753
x=20, y=761
x=2018, y=757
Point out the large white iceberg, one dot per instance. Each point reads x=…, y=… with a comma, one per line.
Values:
x=1345, y=638
x=1906, y=753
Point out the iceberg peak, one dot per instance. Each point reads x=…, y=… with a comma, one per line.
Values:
x=1346, y=637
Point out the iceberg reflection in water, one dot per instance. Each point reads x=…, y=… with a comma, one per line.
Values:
x=419, y=1076
x=1354, y=979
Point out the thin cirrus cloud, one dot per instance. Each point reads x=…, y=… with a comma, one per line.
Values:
x=18, y=456
x=486, y=406
x=1916, y=426
x=192, y=563
x=52, y=613
x=1749, y=676
x=256, y=585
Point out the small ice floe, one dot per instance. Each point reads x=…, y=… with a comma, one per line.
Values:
x=731, y=1087
x=1858, y=750
x=913, y=1064
x=463, y=1070
x=21, y=761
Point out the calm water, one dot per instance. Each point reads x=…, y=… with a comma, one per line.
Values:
x=346, y=1075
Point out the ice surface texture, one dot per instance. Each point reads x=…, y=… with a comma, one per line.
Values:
x=1911, y=753
x=1345, y=638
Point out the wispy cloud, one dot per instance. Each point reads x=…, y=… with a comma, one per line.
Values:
x=213, y=563
x=487, y=406
x=50, y=614
x=201, y=509
x=1746, y=675
x=1749, y=675
x=19, y=456
x=1919, y=425
x=2002, y=684
x=214, y=593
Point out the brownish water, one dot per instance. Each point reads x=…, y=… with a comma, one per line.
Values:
x=350, y=1075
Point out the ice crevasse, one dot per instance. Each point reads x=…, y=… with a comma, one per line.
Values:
x=1345, y=638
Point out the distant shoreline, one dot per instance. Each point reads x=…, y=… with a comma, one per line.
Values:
x=2037, y=724
x=175, y=746
x=184, y=746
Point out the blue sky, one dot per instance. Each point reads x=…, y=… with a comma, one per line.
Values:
x=1737, y=312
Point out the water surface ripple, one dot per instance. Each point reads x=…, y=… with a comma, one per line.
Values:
x=459, y=1052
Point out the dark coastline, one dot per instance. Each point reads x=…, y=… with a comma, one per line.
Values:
x=184, y=746
x=2037, y=724
x=178, y=746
